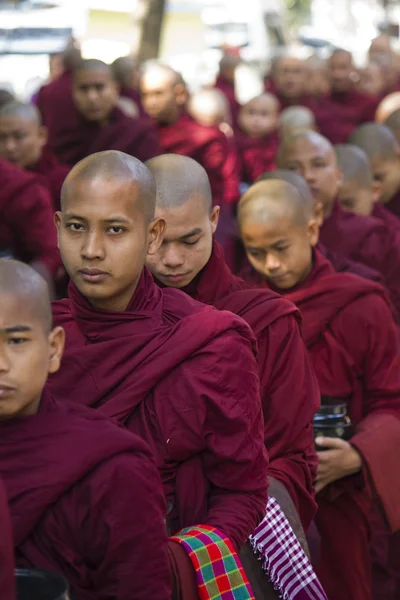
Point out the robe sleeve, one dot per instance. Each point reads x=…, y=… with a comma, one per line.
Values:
x=219, y=420
x=146, y=144
x=7, y=581
x=30, y=214
x=374, y=346
x=290, y=397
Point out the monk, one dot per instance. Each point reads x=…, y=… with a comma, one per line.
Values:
x=387, y=106
x=96, y=123
x=126, y=74
x=382, y=149
x=5, y=97
x=372, y=81
x=294, y=119
x=190, y=260
x=351, y=336
x=289, y=81
x=129, y=344
x=23, y=141
x=225, y=82
x=257, y=138
x=317, y=77
x=363, y=239
x=393, y=123
x=210, y=108
x=359, y=192
x=7, y=578
x=164, y=98
x=67, y=470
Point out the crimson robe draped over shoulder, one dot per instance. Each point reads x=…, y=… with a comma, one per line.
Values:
x=27, y=231
x=366, y=240
x=86, y=501
x=388, y=217
x=209, y=147
x=228, y=89
x=183, y=376
x=7, y=579
x=257, y=155
x=51, y=173
x=55, y=102
x=351, y=336
x=394, y=204
x=288, y=384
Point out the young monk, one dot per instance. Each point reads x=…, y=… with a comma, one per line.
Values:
x=257, y=138
x=126, y=73
x=359, y=192
x=190, y=260
x=372, y=81
x=383, y=152
x=393, y=123
x=96, y=123
x=129, y=344
x=294, y=119
x=85, y=496
x=289, y=81
x=164, y=98
x=7, y=577
x=23, y=141
x=210, y=108
x=349, y=331
x=363, y=239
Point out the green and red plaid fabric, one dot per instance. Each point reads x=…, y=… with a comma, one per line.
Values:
x=219, y=572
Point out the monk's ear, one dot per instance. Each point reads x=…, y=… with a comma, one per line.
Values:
x=156, y=235
x=214, y=218
x=376, y=191
x=43, y=136
x=56, y=343
x=319, y=213
x=57, y=223
x=340, y=177
x=180, y=94
x=313, y=231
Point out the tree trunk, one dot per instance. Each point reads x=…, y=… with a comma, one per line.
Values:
x=151, y=16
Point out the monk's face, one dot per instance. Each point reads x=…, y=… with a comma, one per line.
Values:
x=21, y=141
x=95, y=94
x=341, y=72
x=187, y=244
x=56, y=66
x=356, y=199
x=28, y=353
x=104, y=238
x=316, y=163
x=259, y=117
x=387, y=173
x=371, y=81
x=281, y=251
x=289, y=77
x=162, y=99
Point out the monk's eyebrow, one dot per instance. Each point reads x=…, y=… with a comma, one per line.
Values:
x=16, y=329
x=195, y=231
x=116, y=220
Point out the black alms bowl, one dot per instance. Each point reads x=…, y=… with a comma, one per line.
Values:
x=332, y=420
x=40, y=585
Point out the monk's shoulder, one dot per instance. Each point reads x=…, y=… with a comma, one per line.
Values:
x=368, y=311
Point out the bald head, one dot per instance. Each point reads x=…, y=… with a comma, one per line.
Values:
x=312, y=138
x=354, y=165
x=295, y=118
x=259, y=116
x=25, y=112
x=156, y=70
x=163, y=92
x=179, y=179
x=388, y=105
x=124, y=69
x=22, y=136
x=24, y=283
x=293, y=179
x=393, y=122
x=209, y=107
x=118, y=167
x=375, y=140
x=92, y=65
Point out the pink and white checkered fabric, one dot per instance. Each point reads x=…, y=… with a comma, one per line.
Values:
x=283, y=559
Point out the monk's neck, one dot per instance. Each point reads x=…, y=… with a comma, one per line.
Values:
x=328, y=208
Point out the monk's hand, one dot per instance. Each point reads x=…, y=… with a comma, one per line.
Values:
x=338, y=460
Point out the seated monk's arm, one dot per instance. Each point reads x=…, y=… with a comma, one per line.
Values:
x=289, y=387
x=219, y=421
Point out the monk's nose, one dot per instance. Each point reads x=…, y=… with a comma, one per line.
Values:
x=4, y=361
x=172, y=258
x=272, y=263
x=93, y=247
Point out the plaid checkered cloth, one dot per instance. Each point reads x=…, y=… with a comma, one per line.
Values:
x=283, y=559
x=219, y=573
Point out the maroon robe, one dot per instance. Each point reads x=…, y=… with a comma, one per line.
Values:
x=351, y=336
x=390, y=219
x=55, y=103
x=52, y=175
x=340, y=113
x=183, y=376
x=27, y=231
x=394, y=204
x=283, y=367
x=7, y=579
x=209, y=147
x=80, y=137
x=366, y=240
x=228, y=89
x=86, y=501
x=257, y=155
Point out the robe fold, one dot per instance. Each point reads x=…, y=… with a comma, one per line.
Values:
x=51, y=174
x=27, y=231
x=257, y=155
x=209, y=147
x=366, y=240
x=86, y=501
x=55, y=102
x=394, y=204
x=183, y=376
x=228, y=89
x=388, y=217
x=7, y=579
x=339, y=114
x=80, y=137
x=288, y=384
x=352, y=340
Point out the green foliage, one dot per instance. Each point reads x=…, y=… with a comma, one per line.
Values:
x=298, y=10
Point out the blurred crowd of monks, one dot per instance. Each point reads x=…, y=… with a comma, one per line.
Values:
x=217, y=270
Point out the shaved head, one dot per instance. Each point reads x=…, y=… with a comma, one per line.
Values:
x=114, y=166
x=124, y=69
x=388, y=105
x=259, y=116
x=376, y=140
x=393, y=121
x=26, y=112
x=296, y=118
x=312, y=137
x=91, y=65
x=209, y=107
x=354, y=164
x=158, y=70
x=163, y=92
x=23, y=282
x=178, y=179
x=293, y=179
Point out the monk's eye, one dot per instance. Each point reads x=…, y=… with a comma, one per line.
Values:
x=74, y=226
x=192, y=242
x=17, y=341
x=282, y=248
x=255, y=253
x=115, y=230
x=320, y=164
x=293, y=167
